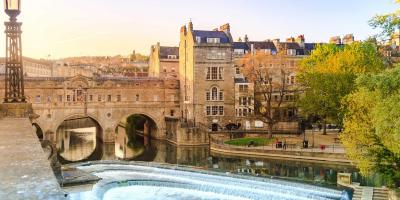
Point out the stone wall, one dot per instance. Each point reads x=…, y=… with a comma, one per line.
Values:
x=107, y=101
x=394, y=195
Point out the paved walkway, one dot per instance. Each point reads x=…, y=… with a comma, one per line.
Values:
x=25, y=172
x=331, y=151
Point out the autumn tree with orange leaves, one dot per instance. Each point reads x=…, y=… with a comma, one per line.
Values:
x=271, y=84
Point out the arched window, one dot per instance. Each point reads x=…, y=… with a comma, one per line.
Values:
x=214, y=93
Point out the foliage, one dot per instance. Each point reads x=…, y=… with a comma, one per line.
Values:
x=138, y=57
x=247, y=141
x=133, y=123
x=329, y=74
x=389, y=23
x=372, y=125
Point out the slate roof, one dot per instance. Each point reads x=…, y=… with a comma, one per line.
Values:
x=290, y=45
x=240, y=80
x=310, y=46
x=211, y=34
x=240, y=45
x=166, y=51
x=263, y=45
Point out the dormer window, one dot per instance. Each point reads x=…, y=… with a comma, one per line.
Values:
x=213, y=40
x=198, y=39
x=291, y=52
x=238, y=51
x=172, y=57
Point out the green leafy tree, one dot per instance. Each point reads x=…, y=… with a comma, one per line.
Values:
x=133, y=124
x=372, y=125
x=329, y=74
x=389, y=23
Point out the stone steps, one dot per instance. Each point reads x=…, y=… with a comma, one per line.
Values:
x=369, y=193
x=381, y=194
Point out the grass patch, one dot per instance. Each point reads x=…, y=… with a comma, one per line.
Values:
x=253, y=141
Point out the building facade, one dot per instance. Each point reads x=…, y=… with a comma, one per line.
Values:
x=32, y=67
x=206, y=74
x=283, y=56
x=164, y=62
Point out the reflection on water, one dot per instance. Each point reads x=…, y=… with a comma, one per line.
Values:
x=77, y=141
x=318, y=173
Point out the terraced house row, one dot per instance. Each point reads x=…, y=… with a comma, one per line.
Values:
x=213, y=89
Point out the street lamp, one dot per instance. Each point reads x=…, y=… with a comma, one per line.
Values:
x=14, y=83
x=12, y=8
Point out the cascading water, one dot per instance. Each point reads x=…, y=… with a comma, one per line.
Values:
x=120, y=181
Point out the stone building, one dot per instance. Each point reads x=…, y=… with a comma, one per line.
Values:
x=164, y=61
x=283, y=55
x=32, y=67
x=207, y=76
x=65, y=69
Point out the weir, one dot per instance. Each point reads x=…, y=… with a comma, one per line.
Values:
x=155, y=181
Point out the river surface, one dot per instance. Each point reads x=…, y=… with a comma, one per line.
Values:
x=77, y=143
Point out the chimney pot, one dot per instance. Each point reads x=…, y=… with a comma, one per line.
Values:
x=226, y=28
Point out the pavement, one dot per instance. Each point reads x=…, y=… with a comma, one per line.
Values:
x=25, y=172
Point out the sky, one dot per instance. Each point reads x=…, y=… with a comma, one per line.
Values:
x=64, y=28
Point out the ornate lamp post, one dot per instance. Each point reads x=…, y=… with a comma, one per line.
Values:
x=15, y=104
x=14, y=82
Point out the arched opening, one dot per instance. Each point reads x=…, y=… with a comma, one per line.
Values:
x=79, y=139
x=133, y=137
x=214, y=127
x=38, y=131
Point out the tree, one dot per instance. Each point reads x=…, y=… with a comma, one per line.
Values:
x=389, y=23
x=270, y=84
x=133, y=124
x=372, y=129
x=329, y=74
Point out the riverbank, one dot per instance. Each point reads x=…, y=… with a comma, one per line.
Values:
x=326, y=154
x=320, y=147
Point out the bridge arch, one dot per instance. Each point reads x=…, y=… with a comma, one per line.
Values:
x=153, y=125
x=133, y=134
x=157, y=122
x=79, y=138
x=77, y=115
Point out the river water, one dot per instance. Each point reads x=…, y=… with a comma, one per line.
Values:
x=77, y=143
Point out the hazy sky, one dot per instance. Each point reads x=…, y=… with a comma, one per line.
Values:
x=108, y=27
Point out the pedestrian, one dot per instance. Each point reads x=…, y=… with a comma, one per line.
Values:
x=284, y=144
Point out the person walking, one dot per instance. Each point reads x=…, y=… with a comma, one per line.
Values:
x=284, y=144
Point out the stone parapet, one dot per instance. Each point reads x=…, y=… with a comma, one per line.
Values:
x=16, y=110
x=314, y=155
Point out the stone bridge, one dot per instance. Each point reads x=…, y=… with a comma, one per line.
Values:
x=108, y=101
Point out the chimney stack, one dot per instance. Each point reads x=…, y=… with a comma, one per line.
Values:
x=276, y=42
x=348, y=39
x=183, y=30
x=291, y=39
x=246, y=38
x=190, y=26
x=335, y=40
x=301, y=40
x=225, y=28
